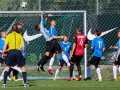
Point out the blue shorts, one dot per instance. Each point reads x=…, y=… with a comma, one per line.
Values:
x=15, y=56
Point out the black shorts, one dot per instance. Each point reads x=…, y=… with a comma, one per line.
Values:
x=95, y=60
x=14, y=56
x=76, y=59
x=56, y=47
x=61, y=63
x=2, y=60
x=49, y=46
x=117, y=62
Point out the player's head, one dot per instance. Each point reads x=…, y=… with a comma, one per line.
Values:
x=3, y=34
x=65, y=38
x=37, y=27
x=51, y=21
x=15, y=28
x=79, y=29
x=97, y=32
x=20, y=24
x=119, y=33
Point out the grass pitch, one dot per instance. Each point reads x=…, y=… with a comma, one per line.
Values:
x=63, y=85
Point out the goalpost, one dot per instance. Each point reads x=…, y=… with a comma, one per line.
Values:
x=59, y=13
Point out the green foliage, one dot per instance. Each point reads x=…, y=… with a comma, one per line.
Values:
x=105, y=6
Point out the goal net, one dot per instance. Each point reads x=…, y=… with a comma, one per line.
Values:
x=67, y=22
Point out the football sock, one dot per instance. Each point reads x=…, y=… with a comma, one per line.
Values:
x=99, y=73
x=88, y=71
x=73, y=74
x=43, y=60
x=79, y=69
x=5, y=76
x=71, y=70
x=66, y=60
x=119, y=69
x=115, y=71
x=51, y=62
x=56, y=73
x=24, y=74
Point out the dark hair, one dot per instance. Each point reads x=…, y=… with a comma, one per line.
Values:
x=20, y=32
x=21, y=23
x=118, y=30
x=98, y=32
x=37, y=26
x=79, y=29
x=50, y=20
x=66, y=36
x=2, y=32
x=15, y=28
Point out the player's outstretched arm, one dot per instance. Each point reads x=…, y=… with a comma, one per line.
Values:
x=41, y=15
x=113, y=47
x=57, y=37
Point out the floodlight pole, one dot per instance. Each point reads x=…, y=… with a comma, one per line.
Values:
x=39, y=6
x=97, y=7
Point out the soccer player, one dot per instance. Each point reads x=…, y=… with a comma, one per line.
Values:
x=2, y=40
x=16, y=69
x=66, y=46
x=20, y=25
x=48, y=38
x=117, y=58
x=14, y=41
x=77, y=53
x=99, y=47
x=56, y=45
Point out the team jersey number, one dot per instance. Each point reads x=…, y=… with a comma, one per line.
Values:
x=81, y=43
x=100, y=44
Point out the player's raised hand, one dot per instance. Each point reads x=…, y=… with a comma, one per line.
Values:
x=41, y=15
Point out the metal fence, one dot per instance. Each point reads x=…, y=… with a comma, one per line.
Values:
x=102, y=14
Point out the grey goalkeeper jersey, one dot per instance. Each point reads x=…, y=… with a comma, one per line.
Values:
x=44, y=31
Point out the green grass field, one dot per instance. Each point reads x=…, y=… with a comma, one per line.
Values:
x=63, y=85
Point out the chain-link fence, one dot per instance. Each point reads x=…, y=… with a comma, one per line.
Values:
x=102, y=14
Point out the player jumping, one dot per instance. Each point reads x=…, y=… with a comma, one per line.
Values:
x=56, y=45
x=48, y=38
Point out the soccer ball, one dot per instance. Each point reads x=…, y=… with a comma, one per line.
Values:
x=23, y=4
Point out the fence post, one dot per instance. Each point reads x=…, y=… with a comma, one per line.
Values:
x=97, y=7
